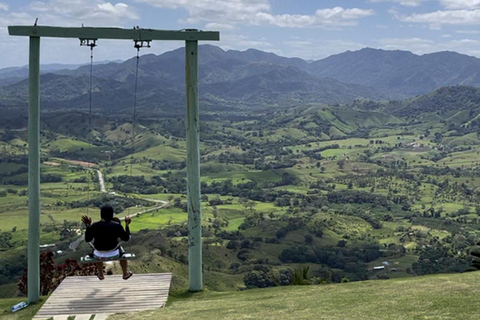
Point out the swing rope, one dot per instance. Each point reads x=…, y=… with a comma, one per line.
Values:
x=90, y=122
x=134, y=106
x=138, y=44
x=91, y=43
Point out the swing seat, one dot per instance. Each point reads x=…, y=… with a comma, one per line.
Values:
x=92, y=259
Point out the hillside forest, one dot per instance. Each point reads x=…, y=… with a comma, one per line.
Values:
x=301, y=192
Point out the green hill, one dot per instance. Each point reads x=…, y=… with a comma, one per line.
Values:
x=429, y=297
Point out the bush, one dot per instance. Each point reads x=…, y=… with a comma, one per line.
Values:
x=51, y=275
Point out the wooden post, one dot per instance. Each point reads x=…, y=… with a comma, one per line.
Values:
x=193, y=169
x=34, y=172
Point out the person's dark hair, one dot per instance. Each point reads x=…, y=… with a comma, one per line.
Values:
x=106, y=212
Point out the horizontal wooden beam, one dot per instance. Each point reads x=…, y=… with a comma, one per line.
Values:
x=113, y=33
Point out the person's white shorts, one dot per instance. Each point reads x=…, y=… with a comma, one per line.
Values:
x=107, y=254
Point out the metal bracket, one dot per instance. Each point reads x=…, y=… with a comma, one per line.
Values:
x=88, y=42
x=142, y=44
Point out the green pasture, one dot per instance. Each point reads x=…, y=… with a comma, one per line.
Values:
x=398, y=265
x=146, y=141
x=243, y=176
x=136, y=169
x=233, y=224
x=382, y=133
x=461, y=159
x=18, y=142
x=337, y=153
x=343, y=143
x=157, y=219
x=158, y=196
x=291, y=133
x=7, y=149
x=295, y=189
x=465, y=140
x=398, y=138
x=162, y=152
x=460, y=117
x=68, y=145
x=367, y=118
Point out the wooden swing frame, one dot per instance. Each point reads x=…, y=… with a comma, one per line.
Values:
x=191, y=38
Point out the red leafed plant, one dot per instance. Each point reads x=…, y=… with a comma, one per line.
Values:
x=52, y=275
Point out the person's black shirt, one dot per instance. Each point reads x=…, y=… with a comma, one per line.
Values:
x=106, y=234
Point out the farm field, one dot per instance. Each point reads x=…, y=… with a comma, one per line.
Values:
x=273, y=201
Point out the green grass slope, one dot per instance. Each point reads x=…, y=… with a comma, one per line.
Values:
x=430, y=297
x=446, y=296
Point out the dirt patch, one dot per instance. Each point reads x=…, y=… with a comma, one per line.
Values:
x=52, y=164
x=79, y=163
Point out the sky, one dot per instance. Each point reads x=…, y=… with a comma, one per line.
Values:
x=308, y=29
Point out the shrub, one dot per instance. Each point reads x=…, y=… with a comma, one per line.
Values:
x=52, y=275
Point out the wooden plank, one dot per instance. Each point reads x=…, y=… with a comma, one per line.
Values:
x=113, y=33
x=110, y=294
x=126, y=303
x=88, y=295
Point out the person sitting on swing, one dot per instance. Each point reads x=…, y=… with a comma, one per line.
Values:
x=105, y=234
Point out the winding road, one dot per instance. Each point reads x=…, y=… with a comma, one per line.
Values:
x=101, y=181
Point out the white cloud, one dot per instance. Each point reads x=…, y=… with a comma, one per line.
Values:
x=219, y=26
x=258, y=12
x=468, y=31
x=312, y=49
x=3, y=6
x=438, y=18
x=76, y=12
x=406, y=3
x=242, y=42
x=328, y=18
x=460, y=4
x=219, y=11
x=67, y=13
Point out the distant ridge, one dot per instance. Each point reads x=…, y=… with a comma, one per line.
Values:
x=249, y=79
x=400, y=72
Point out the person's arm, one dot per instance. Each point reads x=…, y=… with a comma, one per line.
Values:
x=125, y=234
x=88, y=232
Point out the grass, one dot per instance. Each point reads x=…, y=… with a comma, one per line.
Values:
x=24, y=314
x=429, y=297
x=154, y=220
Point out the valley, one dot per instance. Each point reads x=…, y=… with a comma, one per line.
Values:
x=351, y=193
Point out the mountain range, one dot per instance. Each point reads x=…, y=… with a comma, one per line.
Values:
x=244, y=80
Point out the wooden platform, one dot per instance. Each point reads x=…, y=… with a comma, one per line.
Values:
x=83, y=296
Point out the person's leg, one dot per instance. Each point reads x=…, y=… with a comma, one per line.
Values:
x=124, y=265
x=100, y=270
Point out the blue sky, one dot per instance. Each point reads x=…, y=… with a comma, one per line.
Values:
x=309, y=29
